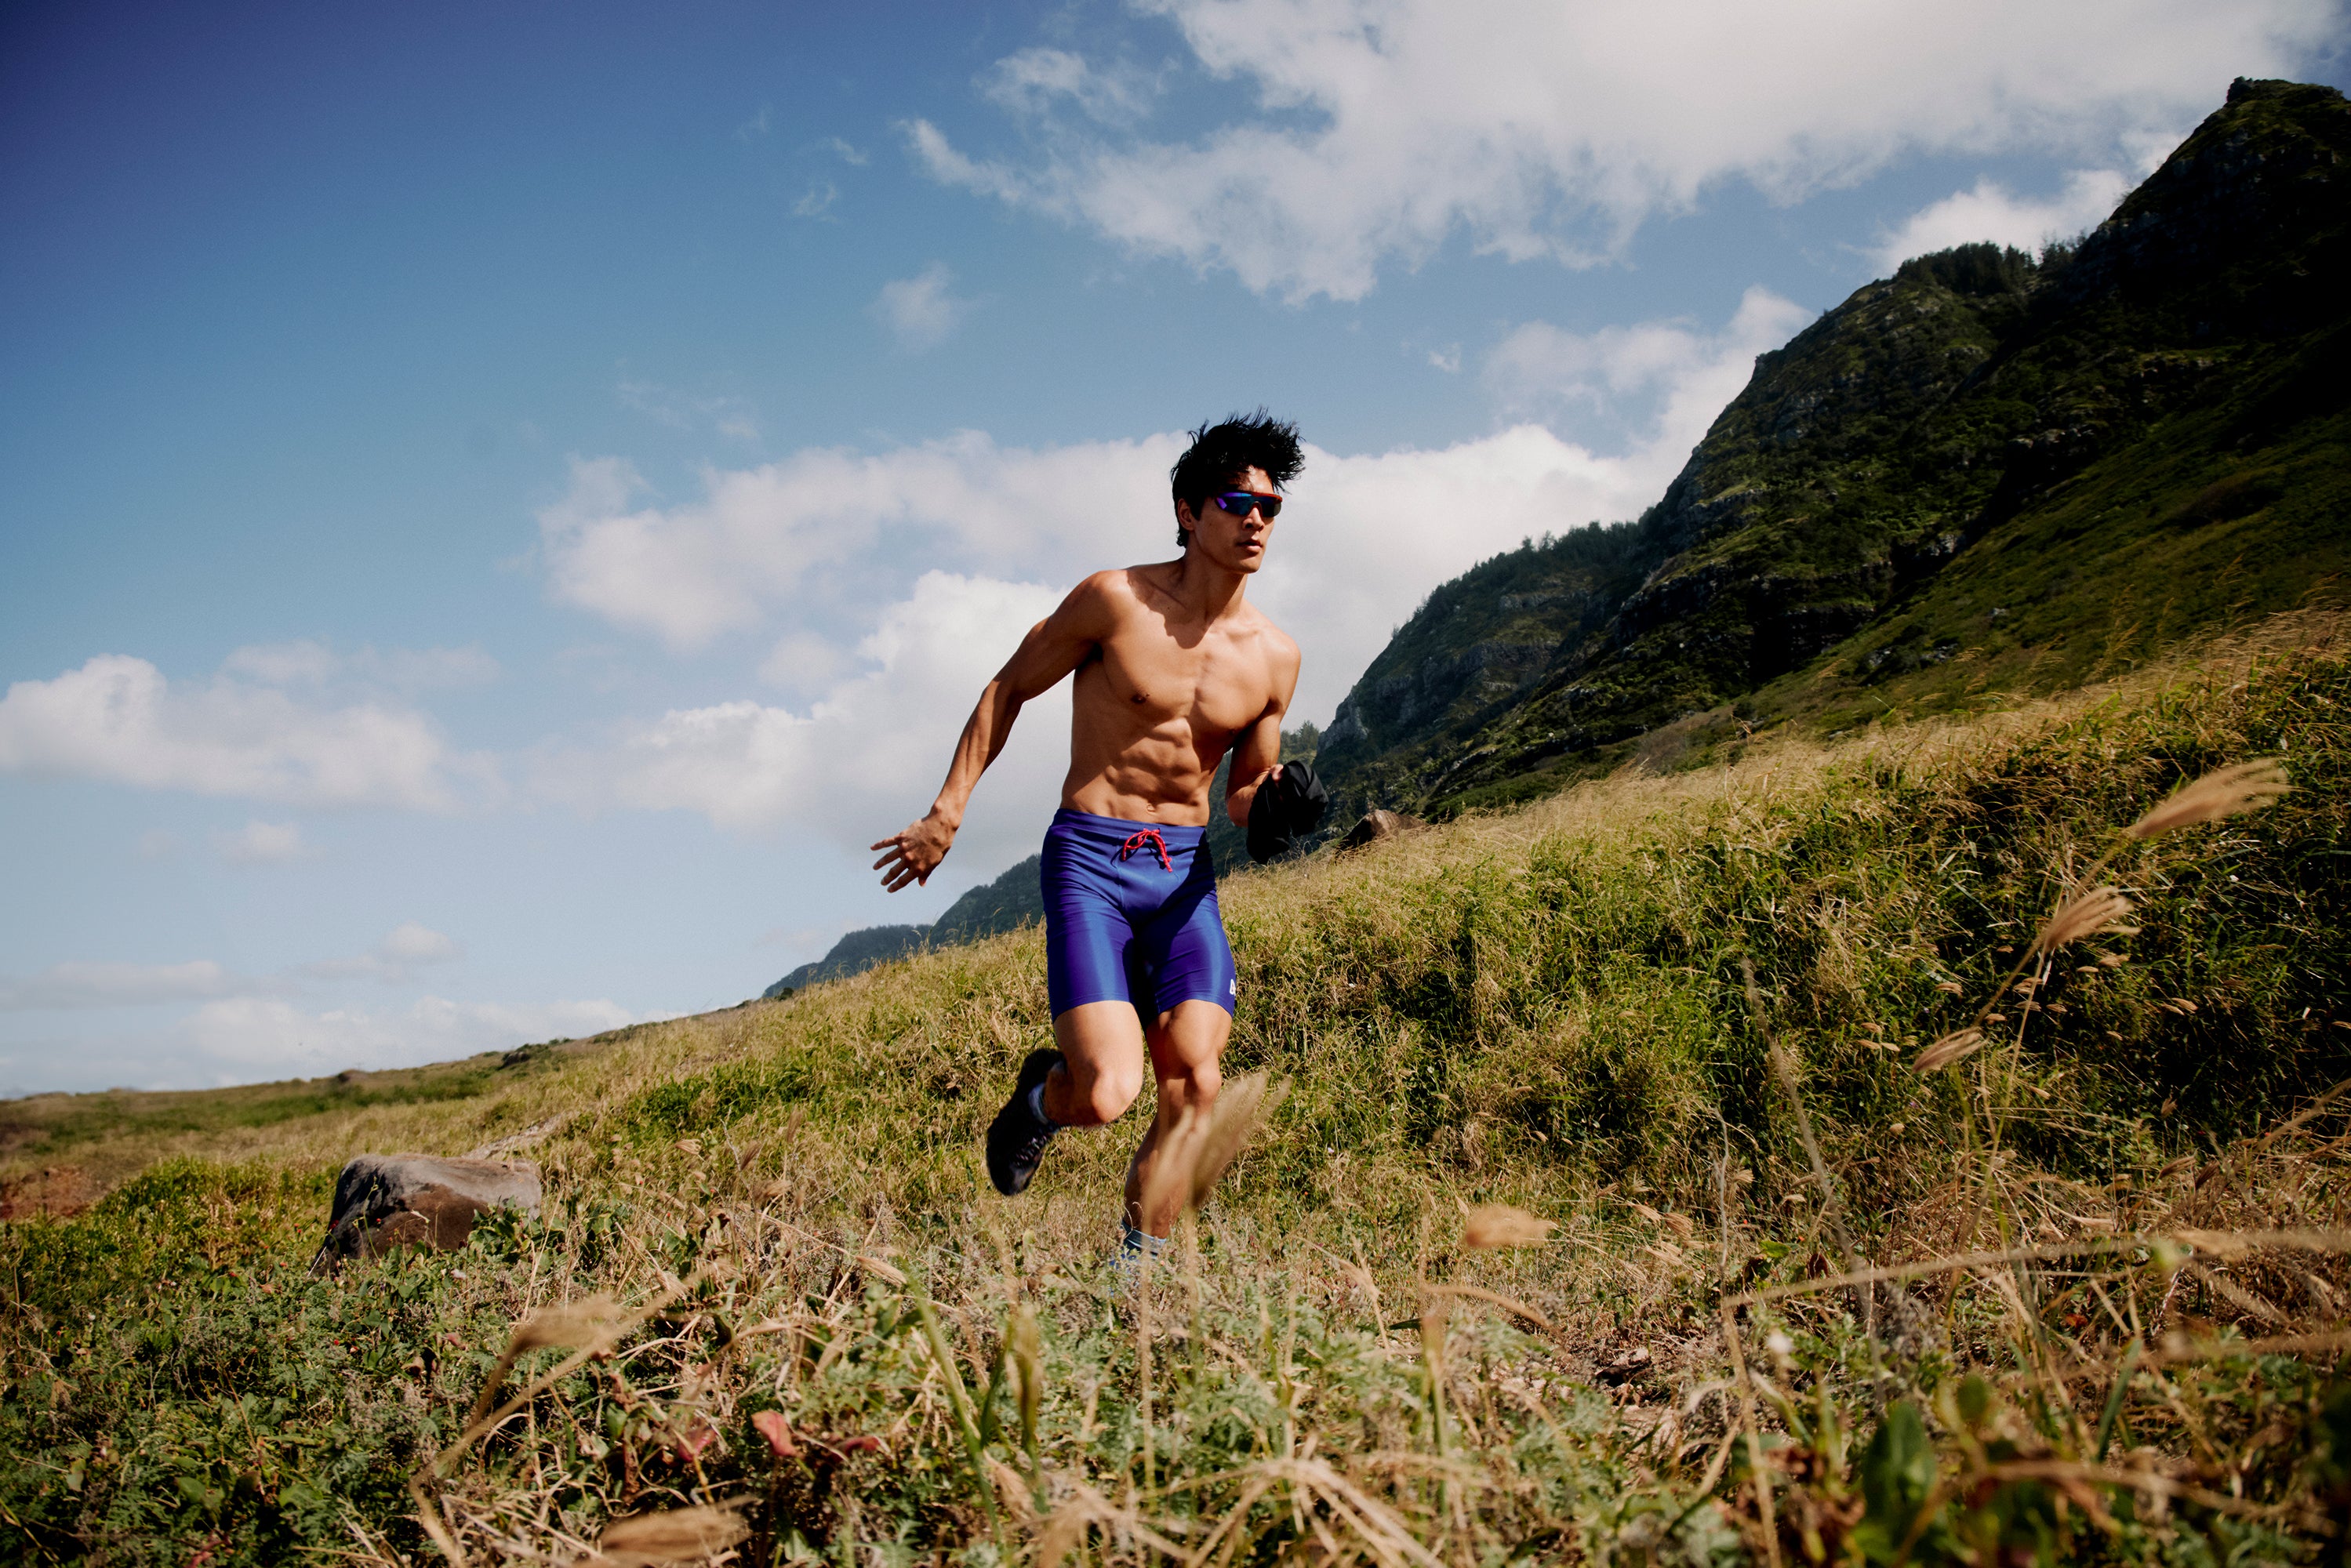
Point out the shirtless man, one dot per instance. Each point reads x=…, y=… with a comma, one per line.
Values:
x=1175, y=667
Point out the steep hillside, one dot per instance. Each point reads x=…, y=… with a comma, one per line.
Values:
x=1682, y=1025
x=1985, y=471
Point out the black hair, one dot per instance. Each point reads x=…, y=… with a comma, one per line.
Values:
x=1219, y=454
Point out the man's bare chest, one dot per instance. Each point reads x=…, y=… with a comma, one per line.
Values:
x=1220, y=682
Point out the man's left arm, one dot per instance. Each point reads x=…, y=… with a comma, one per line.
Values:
x=1257, y=750
x=1257, y=754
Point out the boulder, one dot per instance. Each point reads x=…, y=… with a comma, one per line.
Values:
x=383, y=1201
x=1377, y=824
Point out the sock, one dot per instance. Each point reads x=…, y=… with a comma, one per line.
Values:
x=1144, y=1242
x=1037, y=1104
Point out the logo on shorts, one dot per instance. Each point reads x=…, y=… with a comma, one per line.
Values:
x=1233, y=987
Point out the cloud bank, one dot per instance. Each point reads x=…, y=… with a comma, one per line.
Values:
x=1005, y=531
x=1380, y=128
x=1989, y=210
x=261, y=729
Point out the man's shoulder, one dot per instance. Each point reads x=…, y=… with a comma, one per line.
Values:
x=1248, y=621
x=1126, y=582
x=1127, y=586
x=1106, y=591
x=1279, y=642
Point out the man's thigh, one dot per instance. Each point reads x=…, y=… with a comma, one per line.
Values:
x=1103, y=1039
x=1188, y=1040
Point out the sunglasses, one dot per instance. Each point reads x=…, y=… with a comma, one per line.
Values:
x=1240, y=503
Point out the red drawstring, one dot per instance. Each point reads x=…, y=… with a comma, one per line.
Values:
x=1147, y=839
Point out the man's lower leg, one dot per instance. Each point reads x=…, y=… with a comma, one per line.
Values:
x=1016, y=1138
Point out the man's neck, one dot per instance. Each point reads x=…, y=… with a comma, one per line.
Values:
x=1207, y=591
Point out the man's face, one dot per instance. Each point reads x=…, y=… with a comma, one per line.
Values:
x=1235, y=544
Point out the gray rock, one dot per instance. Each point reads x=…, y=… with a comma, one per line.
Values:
x=383, y=1201
x=1378, y=824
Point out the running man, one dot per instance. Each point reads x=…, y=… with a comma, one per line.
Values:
x=1175, y=667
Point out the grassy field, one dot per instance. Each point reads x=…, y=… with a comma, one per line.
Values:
x=1545, y=1251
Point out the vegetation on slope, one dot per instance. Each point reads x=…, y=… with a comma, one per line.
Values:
x=1986, y=473
x=821, y=1313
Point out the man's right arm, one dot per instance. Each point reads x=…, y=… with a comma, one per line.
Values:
x=1053, y=647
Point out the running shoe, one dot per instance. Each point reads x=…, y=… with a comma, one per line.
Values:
x=1016, y=1138
x=1138, y=1253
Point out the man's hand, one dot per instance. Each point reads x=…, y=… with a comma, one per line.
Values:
x=911, y=856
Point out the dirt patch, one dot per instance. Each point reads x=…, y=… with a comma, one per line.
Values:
x=54, y=1191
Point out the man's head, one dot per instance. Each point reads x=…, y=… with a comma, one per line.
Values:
x=1220, y=460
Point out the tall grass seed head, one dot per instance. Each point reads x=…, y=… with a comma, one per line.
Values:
x=1493, y=1225
x=2223, y=792
x=646, y=1539
x=1951, y=1048
x=2084, y=914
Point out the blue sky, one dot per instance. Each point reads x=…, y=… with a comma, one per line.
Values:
x=506, y=501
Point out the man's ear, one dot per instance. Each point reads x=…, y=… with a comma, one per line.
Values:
x=1184, y=518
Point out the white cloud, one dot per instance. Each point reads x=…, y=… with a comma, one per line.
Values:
x=269, y=1033
x=394, y=960
x=803, y=661
x=757, y=536
x=262, y=843
x=1447, y=359
x=867, y=757
x=410, y=943
x=1545, y=129
x=818, y=202
x=844, y=151
x=83, y=985
x=1992, y=212
x=1033, y=81
x=1536, y=368
x=921, y=311
x=1366, y=538
x=241, y=734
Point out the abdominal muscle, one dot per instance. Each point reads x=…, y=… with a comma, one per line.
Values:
x=1135, y=766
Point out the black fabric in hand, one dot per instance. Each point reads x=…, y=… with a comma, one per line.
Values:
x=1288, y=807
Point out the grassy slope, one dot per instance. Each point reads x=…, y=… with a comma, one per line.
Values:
x=1542, y=1007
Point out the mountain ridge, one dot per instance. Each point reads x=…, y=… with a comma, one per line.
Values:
x=1968, y=405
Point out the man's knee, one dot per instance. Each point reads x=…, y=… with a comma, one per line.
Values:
x=1191, y=1087
x=1100, y=1095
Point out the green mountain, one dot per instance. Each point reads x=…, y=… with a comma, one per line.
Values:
x=1008, y=903
x=1987, y=472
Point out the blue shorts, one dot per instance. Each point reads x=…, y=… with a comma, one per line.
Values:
x=1131, y=915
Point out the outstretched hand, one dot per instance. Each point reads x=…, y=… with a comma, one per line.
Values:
x=909, y=857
